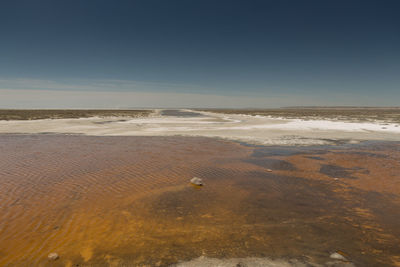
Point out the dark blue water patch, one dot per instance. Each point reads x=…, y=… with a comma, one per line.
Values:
x=287, y=151
x=274, y=164
x=180, y=113
x=315, y=157
x=363, y=153
x=267, y=151
x=261, y=151
x=335, y=171
x=107, y=122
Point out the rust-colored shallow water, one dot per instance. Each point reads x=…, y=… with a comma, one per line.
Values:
x=127, y=200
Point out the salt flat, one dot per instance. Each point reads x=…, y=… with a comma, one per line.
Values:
x=254, y=129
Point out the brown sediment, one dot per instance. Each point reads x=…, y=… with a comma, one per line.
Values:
x=128, y=200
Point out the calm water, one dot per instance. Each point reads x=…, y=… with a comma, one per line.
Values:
x=180, y=113
x=127, y=200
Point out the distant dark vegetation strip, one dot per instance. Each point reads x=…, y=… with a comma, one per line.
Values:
x=37, y=114
x=349, y=114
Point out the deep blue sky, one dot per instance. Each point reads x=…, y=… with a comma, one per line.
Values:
x=336, y=51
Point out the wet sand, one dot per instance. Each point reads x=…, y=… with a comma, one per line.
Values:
x=101, y=201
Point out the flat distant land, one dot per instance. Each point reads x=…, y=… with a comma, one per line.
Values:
x=39, y=114
x=355, y=114
x=359, y=114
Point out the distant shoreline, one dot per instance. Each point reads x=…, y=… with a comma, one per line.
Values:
x=303, y=107
x=39, y=114
x=352, y=114
x=360, y=114
x=266, y=127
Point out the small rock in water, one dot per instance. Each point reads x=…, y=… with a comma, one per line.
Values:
x=269, y=170
x=337, y=256
x=196, y=181
x=53, y=256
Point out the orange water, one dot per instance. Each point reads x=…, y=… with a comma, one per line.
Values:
x=127, y=200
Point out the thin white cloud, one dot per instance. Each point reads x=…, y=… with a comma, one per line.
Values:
x=92, y=85
x=36, y=93
x=11, y=98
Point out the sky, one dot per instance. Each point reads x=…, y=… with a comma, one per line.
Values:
x=199, y=53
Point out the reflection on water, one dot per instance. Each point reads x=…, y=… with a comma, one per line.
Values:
x=128, y=200
x=180, y=113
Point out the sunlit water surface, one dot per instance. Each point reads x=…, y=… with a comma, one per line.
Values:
x=127, y=200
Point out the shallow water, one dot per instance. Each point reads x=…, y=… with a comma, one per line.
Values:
x=127, y=200
x=180, y=113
